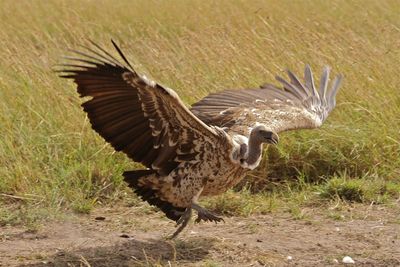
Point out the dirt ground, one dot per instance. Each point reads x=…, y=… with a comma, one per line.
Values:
x=370, y=235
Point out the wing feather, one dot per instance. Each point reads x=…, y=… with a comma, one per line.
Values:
x=296, y=105
x=309, y=80
x=324, y=83
x=135, y=115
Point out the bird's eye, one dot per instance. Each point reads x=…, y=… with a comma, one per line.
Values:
x=263, y=132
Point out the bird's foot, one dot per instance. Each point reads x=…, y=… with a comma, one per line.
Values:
x=202, y=214
x=205, y=215
x=182, y=222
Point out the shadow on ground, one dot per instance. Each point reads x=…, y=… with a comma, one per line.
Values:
x=133, y=253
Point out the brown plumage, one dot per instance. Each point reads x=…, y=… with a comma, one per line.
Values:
x=295, y=106
x=188, y=156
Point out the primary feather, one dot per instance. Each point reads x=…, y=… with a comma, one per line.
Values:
x=294, y=106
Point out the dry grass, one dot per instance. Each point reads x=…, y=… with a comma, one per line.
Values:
x=50, y=158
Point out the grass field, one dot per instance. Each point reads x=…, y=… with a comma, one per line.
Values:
x=51, y=160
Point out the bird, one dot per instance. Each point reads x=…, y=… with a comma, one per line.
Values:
x=189, y=153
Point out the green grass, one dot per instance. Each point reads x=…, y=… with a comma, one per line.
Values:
x=51, y=159
x=366, y=190
x=243, y=203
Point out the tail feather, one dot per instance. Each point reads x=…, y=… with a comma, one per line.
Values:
x=150, y=195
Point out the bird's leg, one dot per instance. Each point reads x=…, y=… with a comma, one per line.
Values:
x=202, y=214
x=182, y=222
x=205, y=215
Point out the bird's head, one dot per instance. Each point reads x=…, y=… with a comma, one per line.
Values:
x=263, y=135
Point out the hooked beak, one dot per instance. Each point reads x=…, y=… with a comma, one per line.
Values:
x=273, y=139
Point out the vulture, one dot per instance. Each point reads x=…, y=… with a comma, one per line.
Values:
x=197, y=152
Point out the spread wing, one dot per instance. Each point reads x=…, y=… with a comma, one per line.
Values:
x=145, y=120
x=294, y=106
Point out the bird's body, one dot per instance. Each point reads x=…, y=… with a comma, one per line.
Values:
x=209, y=176
x=190, y=153
x=219, y=167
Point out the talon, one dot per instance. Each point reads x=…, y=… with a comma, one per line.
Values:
x=205, y=215
x=198, y=219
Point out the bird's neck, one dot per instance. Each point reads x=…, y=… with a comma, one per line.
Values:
x=254, y=153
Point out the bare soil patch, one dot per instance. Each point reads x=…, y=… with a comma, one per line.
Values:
x=126, y=237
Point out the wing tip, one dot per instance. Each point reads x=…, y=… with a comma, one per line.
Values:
x=308, y=68
x=121, y=54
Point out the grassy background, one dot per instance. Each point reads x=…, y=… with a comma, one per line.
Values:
x=51, y=160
